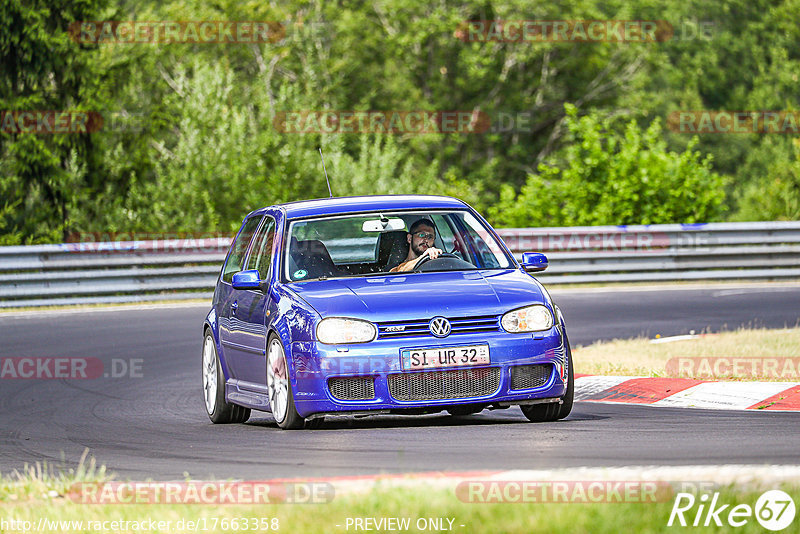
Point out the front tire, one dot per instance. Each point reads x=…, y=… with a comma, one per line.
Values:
x=218, y=410
x=281, y=398
x=542, y=413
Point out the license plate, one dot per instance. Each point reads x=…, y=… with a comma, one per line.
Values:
x=444, y=357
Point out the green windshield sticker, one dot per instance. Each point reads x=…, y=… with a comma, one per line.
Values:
x=300, y=273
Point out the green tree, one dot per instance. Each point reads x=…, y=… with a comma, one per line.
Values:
x=207, y=150
x=43, y=176
x=775, y=194
x=228, y=159
x=614, y=173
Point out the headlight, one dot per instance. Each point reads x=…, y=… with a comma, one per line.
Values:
x=339, y=330
x=529, y=319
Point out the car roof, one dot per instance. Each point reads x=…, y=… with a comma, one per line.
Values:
x=335, y=205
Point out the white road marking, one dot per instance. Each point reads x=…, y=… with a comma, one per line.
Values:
x=725, y=395
x=670, y=339
x=586, y=386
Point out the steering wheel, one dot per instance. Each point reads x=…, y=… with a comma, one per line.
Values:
x=426, y=259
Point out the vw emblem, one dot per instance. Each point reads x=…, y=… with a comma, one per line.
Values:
x=439, y=327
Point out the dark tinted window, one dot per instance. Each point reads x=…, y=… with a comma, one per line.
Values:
x=239, y=248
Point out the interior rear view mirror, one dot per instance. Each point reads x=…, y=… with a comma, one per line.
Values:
x=383, y=225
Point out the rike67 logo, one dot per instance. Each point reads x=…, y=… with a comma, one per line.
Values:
x=774, y=510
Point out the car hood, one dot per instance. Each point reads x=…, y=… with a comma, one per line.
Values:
x=422, y=295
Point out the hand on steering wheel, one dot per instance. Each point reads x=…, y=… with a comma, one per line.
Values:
x=426, y=257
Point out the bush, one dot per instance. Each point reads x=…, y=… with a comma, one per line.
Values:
x=775, y=195
x=613, y=173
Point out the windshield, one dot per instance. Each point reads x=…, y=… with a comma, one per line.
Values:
x=373, y=244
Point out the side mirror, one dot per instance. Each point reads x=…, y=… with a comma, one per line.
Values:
x=532, y=262
x=246, y=280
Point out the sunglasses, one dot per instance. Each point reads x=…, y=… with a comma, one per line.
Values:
x=425, y=235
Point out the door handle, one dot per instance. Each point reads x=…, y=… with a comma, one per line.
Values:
x=234, y=307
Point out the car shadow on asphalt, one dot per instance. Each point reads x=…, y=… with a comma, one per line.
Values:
x=399, y=421
x=486, y=418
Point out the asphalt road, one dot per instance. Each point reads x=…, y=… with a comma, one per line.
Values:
x=153, y=424
x=597, y=314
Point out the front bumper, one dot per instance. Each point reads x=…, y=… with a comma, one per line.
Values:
x=314, y=364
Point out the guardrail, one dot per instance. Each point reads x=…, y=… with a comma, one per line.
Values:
x=663, y=252
x=130, y=271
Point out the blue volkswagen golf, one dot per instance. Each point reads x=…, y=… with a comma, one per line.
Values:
x=380, y=304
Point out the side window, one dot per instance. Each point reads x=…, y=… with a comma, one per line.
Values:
x=261, y=255
x=444, y=233
x=239, y=248
x=491, y=255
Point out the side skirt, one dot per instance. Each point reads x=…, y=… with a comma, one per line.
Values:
x=247, y=394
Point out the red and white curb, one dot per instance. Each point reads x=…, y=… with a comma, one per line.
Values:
x=689, y=393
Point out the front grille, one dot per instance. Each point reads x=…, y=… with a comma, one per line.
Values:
x=419, y=327
x=358, y=388
x=455, y=384
x=530, y=376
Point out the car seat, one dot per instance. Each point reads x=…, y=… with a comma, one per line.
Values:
x=312, y=256
x=392, y=249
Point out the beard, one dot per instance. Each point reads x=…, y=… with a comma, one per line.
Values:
x=420, y=248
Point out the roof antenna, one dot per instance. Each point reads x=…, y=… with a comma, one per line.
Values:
x=326, y=173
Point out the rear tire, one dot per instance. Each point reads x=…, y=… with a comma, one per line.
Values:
x=218, y=410
x=542, y=413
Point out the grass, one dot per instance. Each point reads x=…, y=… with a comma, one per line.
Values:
x=38, y=494
x=42, y=481
x=641, y=357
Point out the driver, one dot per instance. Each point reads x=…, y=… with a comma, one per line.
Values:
x=420, y=245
